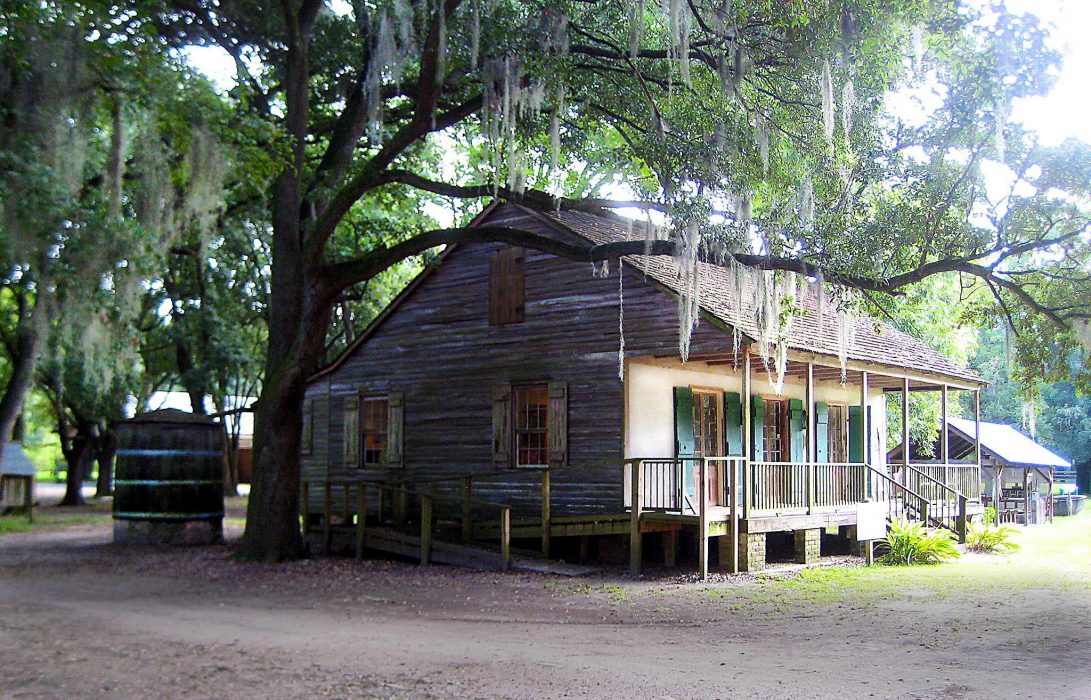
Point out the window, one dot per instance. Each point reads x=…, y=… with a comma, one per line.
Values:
x=707, y=426
x=375, y=430
x=775, y=447
x=838, y=434
x=531, y=404
x=507, y=287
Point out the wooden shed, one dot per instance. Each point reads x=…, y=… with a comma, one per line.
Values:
x=17, y=474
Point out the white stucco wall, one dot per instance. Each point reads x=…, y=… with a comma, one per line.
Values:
x=649, y=418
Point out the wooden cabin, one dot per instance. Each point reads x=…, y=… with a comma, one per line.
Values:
x=493, y=382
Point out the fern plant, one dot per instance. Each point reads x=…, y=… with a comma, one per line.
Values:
x=991, y=539
x=909, y=543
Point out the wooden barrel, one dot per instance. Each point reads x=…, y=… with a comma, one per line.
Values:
x=168, y=484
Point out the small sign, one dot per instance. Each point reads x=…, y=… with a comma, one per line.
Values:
x=871, y=521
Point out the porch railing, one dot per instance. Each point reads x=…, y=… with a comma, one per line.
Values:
x=671, y=485
x=942, y=482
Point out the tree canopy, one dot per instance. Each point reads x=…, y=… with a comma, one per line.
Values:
x=854, y=144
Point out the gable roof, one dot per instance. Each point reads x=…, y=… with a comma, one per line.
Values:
x=15, y=461
x=875, y=342
x=1009, y=446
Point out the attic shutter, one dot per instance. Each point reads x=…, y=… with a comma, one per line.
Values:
x=822, y=431
x=350, y=439
x=797, y=422
x=757, y=429
x=558, y=424
x=733, y=422
x=395, y=424
x=683, y=422
x=501, y=425
x=856, y=434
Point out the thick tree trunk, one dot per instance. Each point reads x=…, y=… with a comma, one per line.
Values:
x=106, y=452
x=231, y=473
x=79, y=461
x=28, y=343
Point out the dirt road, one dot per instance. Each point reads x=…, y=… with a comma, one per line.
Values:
x=80, y=618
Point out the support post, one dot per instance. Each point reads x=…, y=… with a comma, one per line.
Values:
x=425, y=530
x=702, y=535
x=734, y=471
x=905, y=429
x=547, y=521
x=30, y=498
x=869, y=551
x=305, y=508
x=865, y=446
x=962, y=518
x=1026, y=496
x=748, y=438
x=361, y=518
x=670, y=548
x=998, y=490
x=637, y=488
x=505, y=538
x=345, y=511
x=1050, y=504
x=812, y=444
x=977, y=429
x=401, y=504
x=467, y=508
x=945, y=444
x=327, y=518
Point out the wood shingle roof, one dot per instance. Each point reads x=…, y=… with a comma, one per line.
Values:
x=875, y=341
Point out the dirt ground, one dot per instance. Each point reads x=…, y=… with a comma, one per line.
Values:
x=81, y=618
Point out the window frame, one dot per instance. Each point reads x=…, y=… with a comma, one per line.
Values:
x=543, y=430
x=783, y=430
x=372, y=398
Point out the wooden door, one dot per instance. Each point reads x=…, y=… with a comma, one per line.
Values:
x=708, y=438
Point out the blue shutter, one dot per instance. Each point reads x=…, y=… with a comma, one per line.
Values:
x=757, y=429
x=733, y=423
x=683, y=422
x=856, y=434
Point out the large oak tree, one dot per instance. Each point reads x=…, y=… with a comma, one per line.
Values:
x=763, y=129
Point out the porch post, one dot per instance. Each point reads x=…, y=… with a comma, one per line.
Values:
x=905, y=429
x=977, y=428
x=702, y=534
x=865, y=448
x=944, y=443
x=637, y=488
x=1049, y=503
x=747, y=427
x=812, y=443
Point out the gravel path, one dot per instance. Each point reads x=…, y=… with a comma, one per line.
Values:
x=81, y=618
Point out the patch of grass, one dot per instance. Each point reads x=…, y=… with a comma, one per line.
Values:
x=234, y=522
x=616, y=593
x=19, y=523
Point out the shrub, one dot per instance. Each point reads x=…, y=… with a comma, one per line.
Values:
x=909, y=543
x=990, y=515
x=991, y=539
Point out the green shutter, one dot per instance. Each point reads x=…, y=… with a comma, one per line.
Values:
x=822, y=431
x=856, y=434
x=683, y=422
x=733, y=422
x=797, y=435
x=757, y=429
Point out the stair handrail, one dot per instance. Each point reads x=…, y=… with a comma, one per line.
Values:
x=955, y=522
x=922, y=502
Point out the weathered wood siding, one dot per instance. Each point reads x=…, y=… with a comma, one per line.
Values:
x=439, y=349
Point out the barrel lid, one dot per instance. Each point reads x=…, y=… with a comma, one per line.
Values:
x=170, y=415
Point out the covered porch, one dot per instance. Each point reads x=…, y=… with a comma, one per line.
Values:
x=747, y=461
